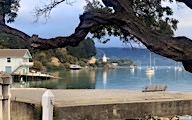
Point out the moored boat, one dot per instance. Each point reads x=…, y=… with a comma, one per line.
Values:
x=75, y=67
x=150, y=70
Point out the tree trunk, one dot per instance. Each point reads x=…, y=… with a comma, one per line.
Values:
x=176, y=48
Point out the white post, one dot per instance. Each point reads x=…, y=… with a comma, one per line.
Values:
x=47, y=104
x=5, y=81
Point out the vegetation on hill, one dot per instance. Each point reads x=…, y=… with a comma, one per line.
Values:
x=113, y=63
x=43, y=59
x=60, y=58
x=12, y=42
x=86, y=49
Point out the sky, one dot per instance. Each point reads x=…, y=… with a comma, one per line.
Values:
x=64, y=18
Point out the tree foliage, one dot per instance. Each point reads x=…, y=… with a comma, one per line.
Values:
x=152, y=13
x=8, y=9
x=85, y=49
x=37, y=66
x=155, y=15
x=10, y=41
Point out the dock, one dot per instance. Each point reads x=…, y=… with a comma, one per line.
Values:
x=33, y=76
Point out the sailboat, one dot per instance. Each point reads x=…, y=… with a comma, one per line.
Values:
x=132, y=68
x=150, y=69
x=178, y=68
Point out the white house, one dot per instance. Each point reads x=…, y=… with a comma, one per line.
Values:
x=15, y=61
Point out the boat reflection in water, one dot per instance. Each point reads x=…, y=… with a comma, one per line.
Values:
x=150, y=74
x=104, y=78
x=71, y=79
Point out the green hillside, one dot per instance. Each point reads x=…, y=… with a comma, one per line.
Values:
x=59, y=58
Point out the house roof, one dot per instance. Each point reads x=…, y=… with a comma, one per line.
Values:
x=15, y=53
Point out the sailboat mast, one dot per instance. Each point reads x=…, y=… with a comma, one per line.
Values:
x=150, y=59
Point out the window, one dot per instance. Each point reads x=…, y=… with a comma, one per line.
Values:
x=8, y=69
x=8, y=60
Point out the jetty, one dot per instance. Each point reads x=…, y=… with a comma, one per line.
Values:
x=33, y=76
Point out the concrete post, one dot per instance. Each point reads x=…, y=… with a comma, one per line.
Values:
x=1, y=101
x=47, y=104
x=5, y=81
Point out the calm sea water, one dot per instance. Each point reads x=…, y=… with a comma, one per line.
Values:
x=120, y=78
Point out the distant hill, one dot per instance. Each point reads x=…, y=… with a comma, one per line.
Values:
x=137, y=55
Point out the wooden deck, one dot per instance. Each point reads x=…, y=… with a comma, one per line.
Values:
x=33, y=76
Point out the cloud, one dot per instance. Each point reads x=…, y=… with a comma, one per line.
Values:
x=184, y=15
x=63, y=19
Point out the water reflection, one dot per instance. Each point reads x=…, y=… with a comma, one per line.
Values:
x=92, y=76
x=149, y=76
x=120, y=78
x=178, y=74
x=104, y=78
x=78, y=79
x=72, y=79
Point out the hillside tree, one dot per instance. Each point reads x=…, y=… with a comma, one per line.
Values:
x=86, y=49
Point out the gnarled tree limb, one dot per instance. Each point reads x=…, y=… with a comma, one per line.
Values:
x=176, y=48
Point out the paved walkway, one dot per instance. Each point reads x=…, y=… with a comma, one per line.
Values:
x=93, y=97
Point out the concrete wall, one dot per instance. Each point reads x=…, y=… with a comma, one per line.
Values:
x=25, y=111
x=127, y=111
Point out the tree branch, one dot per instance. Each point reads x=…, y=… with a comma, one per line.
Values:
x=176, y=48
x=87, y=21
x=46, y=9
x=15, y=32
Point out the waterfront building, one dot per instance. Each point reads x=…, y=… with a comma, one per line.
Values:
x=15, y=61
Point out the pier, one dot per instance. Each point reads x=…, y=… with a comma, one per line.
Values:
x=32, y=76
x=109, y=104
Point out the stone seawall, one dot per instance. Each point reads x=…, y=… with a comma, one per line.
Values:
x=136, y=110
x=100, y=104
x=25, y=111
x=127, y=110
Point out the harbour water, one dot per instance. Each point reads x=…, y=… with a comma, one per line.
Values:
x=119, y=78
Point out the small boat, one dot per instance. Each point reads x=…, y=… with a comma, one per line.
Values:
x=178, y=68
x=75, y=67
x=132, y=68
